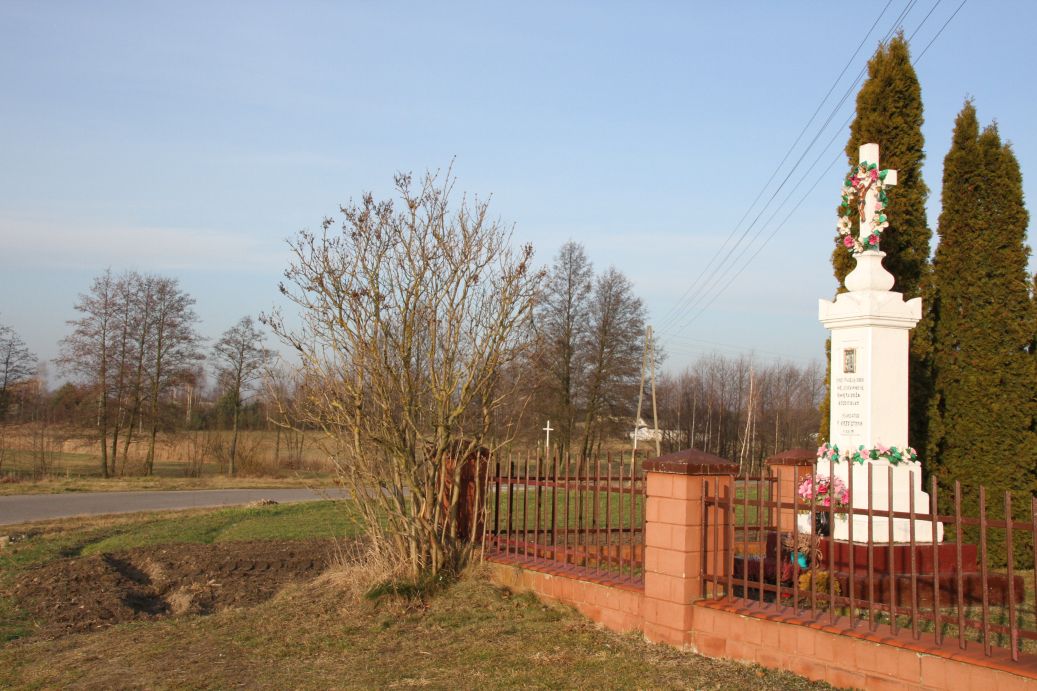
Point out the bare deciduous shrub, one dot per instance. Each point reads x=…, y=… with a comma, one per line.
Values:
x=412, y=315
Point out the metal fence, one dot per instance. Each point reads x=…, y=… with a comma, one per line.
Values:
x=587, y=516
x=976, y=588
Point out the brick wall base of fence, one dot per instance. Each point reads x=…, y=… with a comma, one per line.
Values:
x=617, y=607
x=837, y=654
x=849, y=657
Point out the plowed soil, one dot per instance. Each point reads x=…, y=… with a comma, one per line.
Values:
x=147, y=583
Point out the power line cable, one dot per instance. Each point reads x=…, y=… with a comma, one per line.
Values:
x=924, y=20
x=719, y=275
x=716, y=275
x=816, y=182
x=777, y=169
x=955, y=13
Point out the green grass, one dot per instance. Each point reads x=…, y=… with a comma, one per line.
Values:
x=278, y=522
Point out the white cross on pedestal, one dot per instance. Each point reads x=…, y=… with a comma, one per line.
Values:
x=866, y=204
x=547, y=441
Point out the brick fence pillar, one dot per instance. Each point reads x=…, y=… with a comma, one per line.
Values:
x=680, y=538
x=789, y=468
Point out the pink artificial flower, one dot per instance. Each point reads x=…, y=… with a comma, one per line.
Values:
x=883, y=449
x=848, y=241
x=875, y=174
x=873, y=239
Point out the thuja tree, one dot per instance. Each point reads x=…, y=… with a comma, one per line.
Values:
x=889, y=113
x=982, y=429
x=412, y=311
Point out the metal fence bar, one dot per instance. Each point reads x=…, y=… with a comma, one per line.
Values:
x=496, y=497
x=933, y=504
x=831, y=544
x=984, y=562
x=795, y=542
x=1033, y=543
x=621, y=514
x=891, y=574
x=745, y=537
x=525, y=509
x=853, y=553
x=729, y=534
x=872, y=624
x=716, y=536
x=554, y=504
x=1010, y=553
x=511, y=501
x=540, y=479
x=914, y=565
x=959, y=576
x=760, y=538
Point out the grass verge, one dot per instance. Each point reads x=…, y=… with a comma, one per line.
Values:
x=326, y=633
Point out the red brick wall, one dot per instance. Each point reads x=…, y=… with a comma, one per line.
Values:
x=679, y=542
x=617, y=608
x=851, y=658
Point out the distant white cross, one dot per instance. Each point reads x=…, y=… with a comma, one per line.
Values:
x=547, y=441
x=870, y=153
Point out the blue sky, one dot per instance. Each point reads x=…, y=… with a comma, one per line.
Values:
x=191, y=139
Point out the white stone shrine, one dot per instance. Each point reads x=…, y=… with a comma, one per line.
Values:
x=869, y=328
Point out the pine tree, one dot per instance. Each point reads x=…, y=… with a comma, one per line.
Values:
x=889, y=113
x=982, y=405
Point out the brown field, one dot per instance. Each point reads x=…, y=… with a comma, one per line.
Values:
x=54, y=459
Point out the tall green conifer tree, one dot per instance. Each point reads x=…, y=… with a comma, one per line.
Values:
x=889, y=113
x=982, y=408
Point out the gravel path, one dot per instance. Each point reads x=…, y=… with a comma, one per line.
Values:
x=37, y=507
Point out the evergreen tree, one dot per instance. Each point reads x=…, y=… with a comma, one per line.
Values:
x=982, y=406
x=889, y=113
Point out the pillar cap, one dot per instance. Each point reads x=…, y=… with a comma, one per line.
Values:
x=794, y=457
x=691, y=462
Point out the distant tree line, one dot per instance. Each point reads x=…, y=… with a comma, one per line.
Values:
x=586, y=363
x=740, y=409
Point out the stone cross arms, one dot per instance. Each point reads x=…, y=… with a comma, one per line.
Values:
x=870, y=153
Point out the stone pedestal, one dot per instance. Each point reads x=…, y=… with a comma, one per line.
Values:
x=870, y=325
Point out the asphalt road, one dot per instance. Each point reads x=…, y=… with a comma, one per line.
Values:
x=37, y=507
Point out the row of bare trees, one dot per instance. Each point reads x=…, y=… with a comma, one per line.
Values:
x=135, y=347
x=134, y=339
x=740, y=409
x=17, y=366
x=589, y=344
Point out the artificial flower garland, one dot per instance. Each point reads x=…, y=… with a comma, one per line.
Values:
x=895, y=456
x=863, y=177
x=821, y=490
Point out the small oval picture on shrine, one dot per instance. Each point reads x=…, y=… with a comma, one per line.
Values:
x=850, y=361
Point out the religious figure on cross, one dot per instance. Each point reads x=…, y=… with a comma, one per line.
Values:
x=866, y=187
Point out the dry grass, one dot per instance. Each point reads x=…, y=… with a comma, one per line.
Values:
x=329, y=633
x=471, y=635
x=67, y=460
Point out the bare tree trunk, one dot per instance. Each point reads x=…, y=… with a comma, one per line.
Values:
x=102, y=426
x=234, y=441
